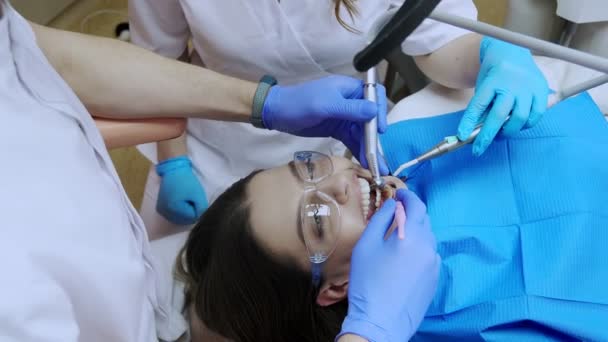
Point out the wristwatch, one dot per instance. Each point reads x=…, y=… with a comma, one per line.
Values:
x=266, y=82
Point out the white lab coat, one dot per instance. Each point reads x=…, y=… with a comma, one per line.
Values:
x=73, y=251
x=291, y=40
x=175, y=323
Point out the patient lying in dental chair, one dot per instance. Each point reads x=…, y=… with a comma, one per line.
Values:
x=521, y=230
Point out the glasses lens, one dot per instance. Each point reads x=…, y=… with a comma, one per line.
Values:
x=312, y=167
x=320, y=219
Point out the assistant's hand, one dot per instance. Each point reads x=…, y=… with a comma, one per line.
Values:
x=392, y=282
x=332, y=106
x=509, y=83
x=181, y=198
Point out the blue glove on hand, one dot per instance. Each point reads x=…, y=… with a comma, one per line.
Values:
x=328, y=107
x=509, y=83
x=392, y=282
x=181, y=198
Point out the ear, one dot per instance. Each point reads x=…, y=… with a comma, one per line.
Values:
x=332, y=293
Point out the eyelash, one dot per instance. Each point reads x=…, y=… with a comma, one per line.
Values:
x=310, y=167
x=318, y=223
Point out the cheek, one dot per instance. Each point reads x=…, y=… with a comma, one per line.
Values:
x=339, y=263
x=352, y=229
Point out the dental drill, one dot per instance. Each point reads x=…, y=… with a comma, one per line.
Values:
x=452, y=143
x=411, y=14
x=371, y=129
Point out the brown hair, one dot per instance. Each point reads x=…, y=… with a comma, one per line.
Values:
x=352, y=12
x=241, y=291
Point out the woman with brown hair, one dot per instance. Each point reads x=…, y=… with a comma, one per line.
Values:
x=520, y=233
x=296, y=41
x=505, y=224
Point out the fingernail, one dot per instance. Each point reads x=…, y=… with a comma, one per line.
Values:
x=477, y=150
x=400, y=218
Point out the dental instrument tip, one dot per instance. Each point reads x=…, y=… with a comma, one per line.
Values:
x=377, y=185
x=410, y=163
x=405, y=166
x=379, y=182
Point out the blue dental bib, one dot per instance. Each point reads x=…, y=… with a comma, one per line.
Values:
x=522, y=230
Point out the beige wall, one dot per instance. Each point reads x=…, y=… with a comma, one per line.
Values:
x=492, y=11
x=41, y=11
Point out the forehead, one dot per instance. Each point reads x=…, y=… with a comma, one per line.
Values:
x=271, y=191
x=275, y=197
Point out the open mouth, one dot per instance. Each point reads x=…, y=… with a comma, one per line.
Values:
x=372, y=198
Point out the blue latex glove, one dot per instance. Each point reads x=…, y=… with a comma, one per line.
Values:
x=392, y=282
x=509, y=82
x=328, y=107
x=181, y=198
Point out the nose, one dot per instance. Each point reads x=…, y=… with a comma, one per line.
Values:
x=338, y=187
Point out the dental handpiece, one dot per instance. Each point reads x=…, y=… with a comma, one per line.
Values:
x=553, y=100
x=451, y=143
x=371, y=129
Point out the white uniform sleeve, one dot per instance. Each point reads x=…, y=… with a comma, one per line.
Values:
x=33, y=307
x=431, y=34
x=173, y=324
x=159, y=26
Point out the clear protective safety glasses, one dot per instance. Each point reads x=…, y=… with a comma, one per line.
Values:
x=320, y=218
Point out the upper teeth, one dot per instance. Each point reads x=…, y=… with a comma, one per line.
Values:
x=365, y=190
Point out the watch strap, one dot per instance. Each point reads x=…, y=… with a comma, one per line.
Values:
x=266, y=82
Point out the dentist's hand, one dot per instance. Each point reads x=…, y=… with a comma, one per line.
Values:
x=392, y=282
x=509, y=83
x=328, y=107
x=181, y=198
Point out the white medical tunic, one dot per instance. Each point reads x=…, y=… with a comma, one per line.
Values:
x=293, y=40
x=73, y=252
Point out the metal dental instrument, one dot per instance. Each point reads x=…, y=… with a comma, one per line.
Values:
x=371, y=129
x=452, y=143
x=409, y=17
